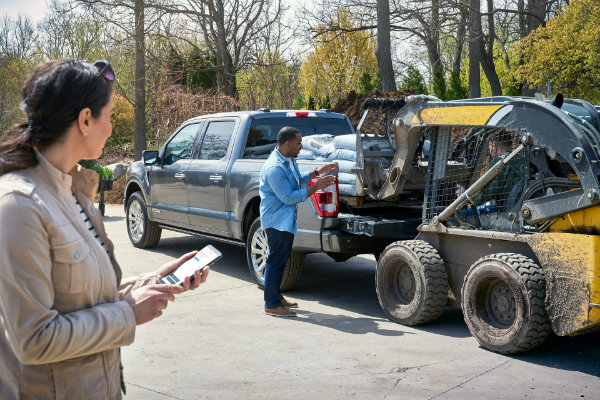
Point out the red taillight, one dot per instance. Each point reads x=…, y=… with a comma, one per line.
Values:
x=300, y=114
x=326, y=201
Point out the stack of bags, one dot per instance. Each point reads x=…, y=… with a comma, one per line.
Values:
x=338, y=149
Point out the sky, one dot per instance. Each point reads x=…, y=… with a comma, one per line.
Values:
x=34, y=9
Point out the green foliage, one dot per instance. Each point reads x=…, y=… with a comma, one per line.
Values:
x=414, y=80
x=365, y=82
x=439, y=83
x=13, y=71
x=457, y=90
x=325, y=103
x=299, y=103
x=377, y=85
x=105, y=173
x=311, y=103
x=270, y=82
x=338, y=59
x=566, y=52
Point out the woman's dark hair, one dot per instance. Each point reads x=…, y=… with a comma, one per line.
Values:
x=52, y=97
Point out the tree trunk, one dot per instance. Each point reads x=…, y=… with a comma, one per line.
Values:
x=384, y=54
x=487, y=53
x=139, y=111
x=432, y=42
x=474, y=42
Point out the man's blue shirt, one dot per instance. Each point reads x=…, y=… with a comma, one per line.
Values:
x=280, y=193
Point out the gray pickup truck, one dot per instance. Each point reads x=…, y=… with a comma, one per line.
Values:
x=204, y=181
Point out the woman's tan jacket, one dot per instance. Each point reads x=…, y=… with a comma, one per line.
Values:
x=61, y=318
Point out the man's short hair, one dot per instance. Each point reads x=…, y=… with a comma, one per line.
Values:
x=286, y=134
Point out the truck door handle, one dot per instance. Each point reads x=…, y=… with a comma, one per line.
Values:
x=216, y=178
x=179, y=175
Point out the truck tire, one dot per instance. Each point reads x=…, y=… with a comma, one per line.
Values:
x=411, y=282
x=502, y=298
x=142, y=232
x=257, y=251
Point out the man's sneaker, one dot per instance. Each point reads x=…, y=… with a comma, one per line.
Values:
x=289, y=304
x=280, y=311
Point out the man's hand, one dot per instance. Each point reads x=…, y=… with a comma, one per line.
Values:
x=321, y=183
x=323, y=169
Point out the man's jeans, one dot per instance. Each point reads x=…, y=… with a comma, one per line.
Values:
x=280, y=247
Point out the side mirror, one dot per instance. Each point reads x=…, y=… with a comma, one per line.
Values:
x=150, y=157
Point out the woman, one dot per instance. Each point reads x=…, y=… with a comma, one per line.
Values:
x=64, y=311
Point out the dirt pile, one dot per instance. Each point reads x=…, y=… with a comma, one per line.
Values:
x=351, y=104
x=114, y=196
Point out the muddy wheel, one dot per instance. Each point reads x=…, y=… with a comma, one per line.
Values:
x=257, y=251
x=142, y=232
x=503, y=303
x=411, y=282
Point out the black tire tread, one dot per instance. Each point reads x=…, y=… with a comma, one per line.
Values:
x=436, y=281
x=534, y=281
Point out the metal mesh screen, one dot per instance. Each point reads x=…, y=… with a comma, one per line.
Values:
x=458, y=157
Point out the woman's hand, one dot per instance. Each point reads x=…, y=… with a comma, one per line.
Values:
x=147, y=302
x=168, y=268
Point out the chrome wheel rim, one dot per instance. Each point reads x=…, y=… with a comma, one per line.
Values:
x=259, y=251
x=135, y=221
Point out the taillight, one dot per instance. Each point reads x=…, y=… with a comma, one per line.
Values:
x=300, y=114
x=326, y=201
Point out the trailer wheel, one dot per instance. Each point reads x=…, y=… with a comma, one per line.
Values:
x=257, y=251
x=503, y=303
x=411, y=282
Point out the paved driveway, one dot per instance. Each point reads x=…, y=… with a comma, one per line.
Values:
x=216, y=342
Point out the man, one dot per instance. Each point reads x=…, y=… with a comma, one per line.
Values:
x=500, y=146
x=282, y=187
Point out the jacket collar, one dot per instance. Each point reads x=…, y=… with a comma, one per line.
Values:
x=79, y=180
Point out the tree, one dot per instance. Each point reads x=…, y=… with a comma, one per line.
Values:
x=271, y=83
x=337, y=61
x=384, y=54
x=414, y=80
x=566, y=52
x=474, y=53
x=228, y=28
x=17, y=47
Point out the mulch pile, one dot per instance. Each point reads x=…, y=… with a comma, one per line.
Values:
x=114, y=196
x=351, y=104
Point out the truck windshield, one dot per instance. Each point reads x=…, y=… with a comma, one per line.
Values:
x=263, y=132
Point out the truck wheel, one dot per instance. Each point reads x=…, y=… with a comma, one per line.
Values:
x=411, y=282
x=257, y=251
x=142, y=232
x=502, y=299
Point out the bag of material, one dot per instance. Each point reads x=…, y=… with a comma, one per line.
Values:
x=321, y=145
x=347, y=142
x=342, y=154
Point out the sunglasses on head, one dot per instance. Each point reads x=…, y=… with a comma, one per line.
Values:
x=105, y=70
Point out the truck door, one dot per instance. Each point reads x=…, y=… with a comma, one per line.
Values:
x=207, y=179
x=168, y=178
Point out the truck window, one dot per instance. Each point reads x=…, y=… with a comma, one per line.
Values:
x=180, y=146
x=216, y=140
x=262, y=136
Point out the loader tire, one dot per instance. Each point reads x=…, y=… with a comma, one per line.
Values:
x=411, y=282
x=502, y=299
x=257, y=251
